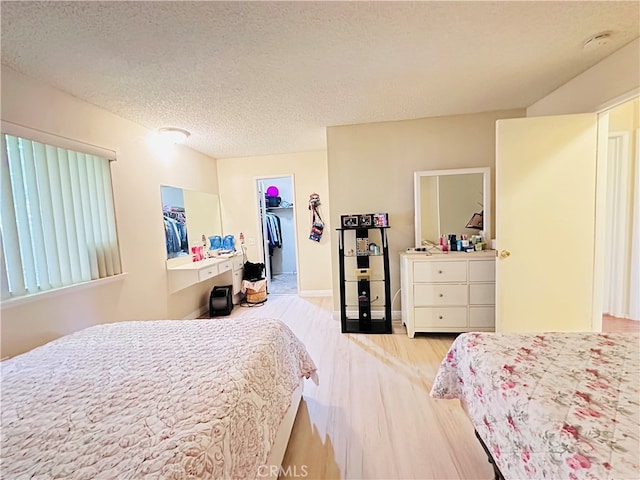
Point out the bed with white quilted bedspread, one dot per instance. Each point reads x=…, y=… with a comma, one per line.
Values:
x=174, y=399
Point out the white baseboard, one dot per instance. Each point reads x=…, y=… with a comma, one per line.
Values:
x=315, y=293
x=197, y=313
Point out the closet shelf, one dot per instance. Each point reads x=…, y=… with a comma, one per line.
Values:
x=279, y=208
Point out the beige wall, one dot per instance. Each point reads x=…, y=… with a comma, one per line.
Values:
x=625, y=118
x=615, y=76
x=238, y=196
x=137, y=176
x=367, y=168
x=371, y=169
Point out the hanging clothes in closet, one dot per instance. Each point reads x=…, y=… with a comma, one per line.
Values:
x=274, y=234
x=175, y=231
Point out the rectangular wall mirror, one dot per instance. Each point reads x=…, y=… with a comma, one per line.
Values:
x=187, y=216
x=452, y=202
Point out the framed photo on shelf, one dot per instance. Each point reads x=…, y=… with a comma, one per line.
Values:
x=362, y=247
x=381, y=219
x=349, y=221
x=365, y=220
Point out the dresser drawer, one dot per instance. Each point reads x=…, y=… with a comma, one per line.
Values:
x=440, y=317
x=430, y=271
x=482, y=317
x=207, y=273
x=482, y=270
x=439, y=294
x=482, y=294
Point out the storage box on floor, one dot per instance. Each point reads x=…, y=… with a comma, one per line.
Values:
x=221, y=301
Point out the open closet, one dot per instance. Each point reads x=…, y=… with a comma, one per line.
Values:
x=277, y=219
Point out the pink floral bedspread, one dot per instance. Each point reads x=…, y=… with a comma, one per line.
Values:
x=167, y=399
x=554, y=405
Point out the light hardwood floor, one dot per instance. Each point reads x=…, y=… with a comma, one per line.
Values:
x=371, y=416
x=616, y=324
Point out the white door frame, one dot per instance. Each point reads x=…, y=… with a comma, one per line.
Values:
x=262, y=249
x=262, y=225
x=601, y=246
x=618, y=225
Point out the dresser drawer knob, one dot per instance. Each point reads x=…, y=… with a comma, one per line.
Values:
x=440, y=317
x=441, y=294
x=439, y=271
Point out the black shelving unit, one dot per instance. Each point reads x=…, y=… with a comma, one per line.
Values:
x=364, y=323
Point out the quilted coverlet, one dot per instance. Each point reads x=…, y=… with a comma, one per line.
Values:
x=554, y=405
x=172, y=399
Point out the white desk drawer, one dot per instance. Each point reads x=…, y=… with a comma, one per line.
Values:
x=439, y=294
x=434, y=271
x=440, y=317
x=208, y=272
x=237, y=263
x=225, y=266
x=482, y=294
x=482, y=270
x=482, y=317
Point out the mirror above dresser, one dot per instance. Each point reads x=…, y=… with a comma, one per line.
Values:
x=443, y=290
x=456, y=201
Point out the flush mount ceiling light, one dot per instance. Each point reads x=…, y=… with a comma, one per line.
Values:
x=599, y=40
x=174, y=135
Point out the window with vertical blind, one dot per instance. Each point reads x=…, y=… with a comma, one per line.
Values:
x=57, y=217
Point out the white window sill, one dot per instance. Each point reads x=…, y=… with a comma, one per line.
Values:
x=37, y=297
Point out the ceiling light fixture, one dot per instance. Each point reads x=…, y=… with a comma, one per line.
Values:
x=599, y=40
x=174, y=135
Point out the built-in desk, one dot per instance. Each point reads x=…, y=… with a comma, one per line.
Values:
x=183, y=275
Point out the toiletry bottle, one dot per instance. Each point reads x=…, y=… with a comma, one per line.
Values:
x=453, y=244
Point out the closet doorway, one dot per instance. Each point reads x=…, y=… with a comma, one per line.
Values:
x=276, y=215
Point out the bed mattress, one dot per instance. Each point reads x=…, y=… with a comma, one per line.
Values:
x=175, y=399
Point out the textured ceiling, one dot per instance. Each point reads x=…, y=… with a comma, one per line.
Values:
x=251, y=78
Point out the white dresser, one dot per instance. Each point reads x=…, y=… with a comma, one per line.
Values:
x=448, y=292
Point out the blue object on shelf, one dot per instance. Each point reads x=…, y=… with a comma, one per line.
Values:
x=215, y=242
x=229, y=243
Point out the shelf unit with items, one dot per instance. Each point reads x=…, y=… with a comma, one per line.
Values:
x=364, y=279
x=452, y=292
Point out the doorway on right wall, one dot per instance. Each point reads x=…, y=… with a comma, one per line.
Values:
x=621, y=294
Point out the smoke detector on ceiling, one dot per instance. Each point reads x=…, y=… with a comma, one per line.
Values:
x=597, y=41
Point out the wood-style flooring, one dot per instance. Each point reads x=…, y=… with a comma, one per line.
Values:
x=371, y=416
x=616, y=324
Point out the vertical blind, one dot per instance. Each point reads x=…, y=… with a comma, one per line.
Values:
x=57, y=218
